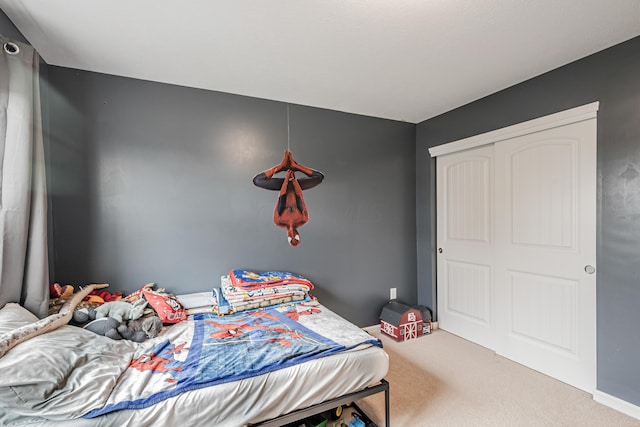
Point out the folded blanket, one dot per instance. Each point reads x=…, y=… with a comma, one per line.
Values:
x=243, y=290
x=275, y=302
x=252, y=280
x=222, y=306
x=234, y=294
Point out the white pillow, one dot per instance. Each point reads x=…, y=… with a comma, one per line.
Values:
x=13, y=316
x=14, y=336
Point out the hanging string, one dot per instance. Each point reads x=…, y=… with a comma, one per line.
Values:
x=288, y=137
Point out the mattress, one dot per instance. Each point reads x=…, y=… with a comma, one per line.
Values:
x=235, y=403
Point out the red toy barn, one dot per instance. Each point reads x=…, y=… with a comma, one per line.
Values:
x=401, y=322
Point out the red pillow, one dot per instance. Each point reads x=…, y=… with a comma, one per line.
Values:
x=168, y=309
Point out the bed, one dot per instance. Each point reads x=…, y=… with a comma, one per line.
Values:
x=245, y=369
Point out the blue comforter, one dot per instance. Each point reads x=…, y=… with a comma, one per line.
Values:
x=209, y=349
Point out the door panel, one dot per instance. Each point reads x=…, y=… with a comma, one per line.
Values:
x=468, y=290
x=464, y=215
x=542, y=189
x=545, y=205
x=557, y=327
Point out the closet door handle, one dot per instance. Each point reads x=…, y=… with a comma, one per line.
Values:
x=589, y=269
x=439, y=250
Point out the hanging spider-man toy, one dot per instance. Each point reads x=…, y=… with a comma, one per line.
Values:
x=290, y=211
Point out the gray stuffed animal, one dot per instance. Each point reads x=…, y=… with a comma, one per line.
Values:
x=121, y=310
x=106, y=326
x=82, y=316
x=137, y=330
x=141, y=329
x=149, y=325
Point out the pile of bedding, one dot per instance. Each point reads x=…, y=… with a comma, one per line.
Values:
x=243, y=290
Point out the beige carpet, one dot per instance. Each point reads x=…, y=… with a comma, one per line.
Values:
x=443, y=380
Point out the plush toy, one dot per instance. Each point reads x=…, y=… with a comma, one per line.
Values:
x=141, y=329
x=58, y=295
x=136, y=330
x=149, y=325
x=121, y=310
x=130, y=335
x=132, y=298
x=106, y=326
x=83, y=316
x=58, y=291
x=291, y=211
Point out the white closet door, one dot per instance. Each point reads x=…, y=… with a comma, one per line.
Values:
x=545, y=196
x=464, y=236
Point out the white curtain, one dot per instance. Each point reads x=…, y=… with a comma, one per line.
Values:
x=24, y=266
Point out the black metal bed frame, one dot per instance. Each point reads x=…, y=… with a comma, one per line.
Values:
x=300, y=414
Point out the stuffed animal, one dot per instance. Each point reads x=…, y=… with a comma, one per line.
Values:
x=106, y=326
x=121, y=310
x=137, y=330
x=141, y=329
x=83, y=316
x=149, y=325
x=130, y=335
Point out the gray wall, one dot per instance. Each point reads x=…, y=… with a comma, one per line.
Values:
x=613, y=78
x=153, y=183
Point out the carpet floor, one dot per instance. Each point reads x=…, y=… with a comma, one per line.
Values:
x=444, y=380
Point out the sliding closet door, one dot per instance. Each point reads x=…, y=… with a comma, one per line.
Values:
x=516, y=230
x=465, y=248
x=545, y=194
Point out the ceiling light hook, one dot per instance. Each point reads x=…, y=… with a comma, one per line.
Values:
x=11, y=48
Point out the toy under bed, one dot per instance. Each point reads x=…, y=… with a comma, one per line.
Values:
x=210, y=370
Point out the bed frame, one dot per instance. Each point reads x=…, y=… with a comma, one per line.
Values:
x=300, y=414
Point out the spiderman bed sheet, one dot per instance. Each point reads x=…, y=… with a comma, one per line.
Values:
x=226, y=371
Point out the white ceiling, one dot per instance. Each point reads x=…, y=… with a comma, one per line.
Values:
x=405, y=60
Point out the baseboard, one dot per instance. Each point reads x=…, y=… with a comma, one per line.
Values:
x=617, y=404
